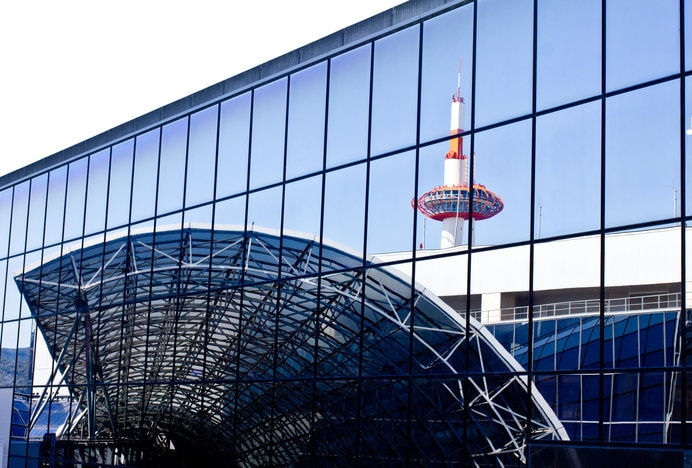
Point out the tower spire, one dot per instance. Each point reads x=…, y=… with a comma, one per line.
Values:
x=458, y=96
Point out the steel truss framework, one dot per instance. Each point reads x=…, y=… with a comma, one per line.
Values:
x=268, y=349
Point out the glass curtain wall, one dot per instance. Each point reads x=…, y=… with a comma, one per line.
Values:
x=573, y=114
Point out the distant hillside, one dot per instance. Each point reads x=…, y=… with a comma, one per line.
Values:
x=24, y=359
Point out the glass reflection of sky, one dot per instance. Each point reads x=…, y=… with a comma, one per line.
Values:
x=391, y=97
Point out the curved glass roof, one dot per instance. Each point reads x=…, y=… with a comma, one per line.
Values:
x=268, y=349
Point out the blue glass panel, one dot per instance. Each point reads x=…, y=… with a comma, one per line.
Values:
x=626, y=351
x=590, y=396
x=590, y=355
x=13, y=303
x=76, y=193
x=395, y=91
x=569, y=202
x=430, y=175
x=569, y=391
x=503, y=333
x=447, y=45
x=572, y=339
x=3, y=283
x=344, y=207
x=547, y=362
x=544, y=328
x=569, y=46
x=548, y=386
x=120, y=184
x=349, y=104
x=145, y=174
x=264, y=209
x=303, y=205
x=97, y=192
x=57, y=183
x=631, y=324
x=589, y=431
x=652, y=398
x=521, y=336
x=619, y=324
x=642, y=41
x=20, y=212
x=390, y=216
x=642, y=127
x=268, y=134
x=504, y=61
x=624, y=397
x=172, y=166
x=201, y=166
x=37, y=212
x=306, y=121
x=652, y=433
x=509, y=148
x=622, y=432
x=568, y=359
x=671, y=327
x=5, y=220
x=234, y=141
x=230, y=212
x=688, y=34
x=199, y=216
x=652, y=346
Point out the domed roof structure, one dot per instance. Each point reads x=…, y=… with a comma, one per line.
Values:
x=282, y=350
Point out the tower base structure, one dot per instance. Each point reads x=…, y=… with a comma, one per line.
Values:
x=452, y=232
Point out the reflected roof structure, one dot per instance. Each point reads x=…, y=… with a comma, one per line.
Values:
x=302, y=350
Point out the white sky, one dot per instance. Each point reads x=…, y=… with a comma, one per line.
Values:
x=72, y=69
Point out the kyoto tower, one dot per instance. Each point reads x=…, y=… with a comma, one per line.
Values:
x=449, y=203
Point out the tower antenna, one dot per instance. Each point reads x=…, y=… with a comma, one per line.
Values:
x=459, y=81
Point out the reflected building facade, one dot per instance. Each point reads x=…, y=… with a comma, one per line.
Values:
x=239, y=277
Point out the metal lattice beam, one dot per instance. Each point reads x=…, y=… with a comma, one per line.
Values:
x=195, y=333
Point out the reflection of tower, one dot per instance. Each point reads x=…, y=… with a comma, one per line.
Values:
x=449, y=203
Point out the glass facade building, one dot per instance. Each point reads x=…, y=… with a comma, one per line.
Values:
x=242, y=277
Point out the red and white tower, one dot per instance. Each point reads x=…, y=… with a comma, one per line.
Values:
x=450, y=202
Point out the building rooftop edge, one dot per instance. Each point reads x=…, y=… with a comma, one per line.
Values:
x=399, y=16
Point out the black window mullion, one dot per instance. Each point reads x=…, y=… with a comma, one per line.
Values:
x=532, y=235
x=146, y=386
x=601, y=328
x=205, y=383
x=318, y=299
x=683, y=237
x=469, y=253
